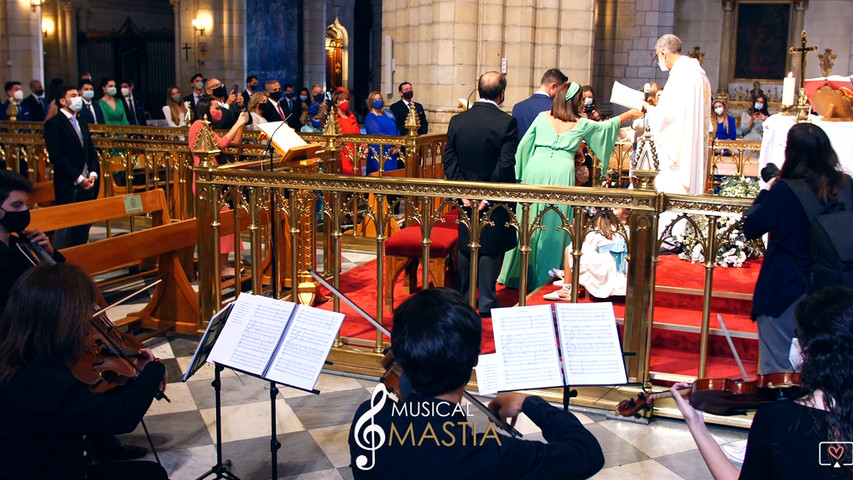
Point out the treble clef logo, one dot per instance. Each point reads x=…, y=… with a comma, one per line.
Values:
x=372, y=433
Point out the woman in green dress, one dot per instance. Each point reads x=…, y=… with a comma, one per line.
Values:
x=112, y=107
x=545, y=156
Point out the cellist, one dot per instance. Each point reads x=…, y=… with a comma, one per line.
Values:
x=801, y=438
x=45, y=411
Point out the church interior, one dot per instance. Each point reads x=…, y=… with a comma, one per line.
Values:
x=200, y=223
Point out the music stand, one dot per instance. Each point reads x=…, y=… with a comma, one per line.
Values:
x=222, y=468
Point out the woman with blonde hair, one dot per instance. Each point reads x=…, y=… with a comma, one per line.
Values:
x=175, y=111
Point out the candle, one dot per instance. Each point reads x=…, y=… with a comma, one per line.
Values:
x=788, y=89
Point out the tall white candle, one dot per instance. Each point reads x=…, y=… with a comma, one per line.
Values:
x=788, y=89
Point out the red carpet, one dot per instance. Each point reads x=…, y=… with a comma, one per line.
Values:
x=677, y=316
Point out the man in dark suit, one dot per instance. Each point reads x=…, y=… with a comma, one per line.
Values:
x=251, y=87
x=91, y=110
x=197, y=90
x=526, y=111
x=35, y=101
x=133, y=107
x=401, y=108
x=15, y=99
x=74, y=160
x=273, y=110
x=480, y=147
x=292, y=107
x=227, y=103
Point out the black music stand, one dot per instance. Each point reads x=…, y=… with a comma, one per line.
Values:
x=222, y=469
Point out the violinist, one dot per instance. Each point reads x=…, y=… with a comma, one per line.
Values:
x=436, y=341
x=785, y=437
x=45, y=411
x=15, y=190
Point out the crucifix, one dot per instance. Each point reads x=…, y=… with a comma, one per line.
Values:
x=803, y=50
x=186, y=48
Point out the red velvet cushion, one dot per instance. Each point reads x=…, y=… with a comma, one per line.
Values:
x=450, y=219
x=407, y=242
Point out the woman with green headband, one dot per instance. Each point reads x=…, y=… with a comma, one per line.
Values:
x=545, y=156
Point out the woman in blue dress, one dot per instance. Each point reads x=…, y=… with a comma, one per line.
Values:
x=377, y=123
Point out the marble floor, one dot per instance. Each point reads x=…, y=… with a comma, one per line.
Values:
x=312, y=429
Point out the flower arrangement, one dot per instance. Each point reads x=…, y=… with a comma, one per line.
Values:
x=733, y=247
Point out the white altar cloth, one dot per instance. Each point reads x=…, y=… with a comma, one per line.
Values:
x=776, y=138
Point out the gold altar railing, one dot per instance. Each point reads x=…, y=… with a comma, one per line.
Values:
x=427, y=199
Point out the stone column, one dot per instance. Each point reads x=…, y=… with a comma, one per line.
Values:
x=21, y=43
x=796, y=28
x=442, y=46
x=726, y=48
x=221, y=51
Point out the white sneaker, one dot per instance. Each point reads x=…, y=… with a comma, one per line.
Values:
x=556, y=273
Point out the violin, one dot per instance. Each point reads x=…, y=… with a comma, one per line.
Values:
x=394, y=372
x=108, y=360
x=724, y=396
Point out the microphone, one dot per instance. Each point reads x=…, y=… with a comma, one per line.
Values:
x=769, y=171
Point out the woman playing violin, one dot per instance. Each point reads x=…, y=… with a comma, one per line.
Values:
x=45, y=412
x=785, y=437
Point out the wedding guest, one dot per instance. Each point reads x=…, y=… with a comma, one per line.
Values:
x=175, y=110
x=255, y=107
x=589, y=109
x=377, y=123
x=752, y=120
x=725, y=127
x=349, y=126
x=112, y=108
x=313, y=118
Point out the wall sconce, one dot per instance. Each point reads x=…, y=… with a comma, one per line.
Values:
x=201, y=23
x=36, y=3
x=47, y=26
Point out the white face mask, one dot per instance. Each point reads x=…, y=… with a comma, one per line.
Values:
x=18, y=96
x=88, y=94
x=587, y=101
x=719, y=110
x=125, y=92
x=662, y=64
x=76, y=104
x=199, y=85
x=795, y=354
x=758, y=106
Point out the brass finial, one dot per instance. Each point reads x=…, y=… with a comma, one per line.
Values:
x=413, y=123
x=332, y=127
x=206, y=147
x=645, y=164
x=698, y=54
x=12, y=111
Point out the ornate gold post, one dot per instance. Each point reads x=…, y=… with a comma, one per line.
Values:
x=255, y=205
x=206, y=149
x=380, y=266
x=426, y=239
x=577, y=244
x=333, y=250
x=710, y=264
x=413, y=124
x=524, y=249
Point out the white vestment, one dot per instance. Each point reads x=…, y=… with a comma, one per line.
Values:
x=681, y=123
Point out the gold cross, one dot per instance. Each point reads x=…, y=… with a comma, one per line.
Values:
x=802, y=51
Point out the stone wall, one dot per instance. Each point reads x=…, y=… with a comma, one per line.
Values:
x=829, y=24
x=21, y=44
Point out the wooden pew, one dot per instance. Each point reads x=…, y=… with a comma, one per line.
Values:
x=152, y=202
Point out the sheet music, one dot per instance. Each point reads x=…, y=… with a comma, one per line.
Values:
x=626, y=96
x=589, y=341
x=488, y=378
x=305, y=346
x=526, y=347
x=285, y=137
x=252, y=333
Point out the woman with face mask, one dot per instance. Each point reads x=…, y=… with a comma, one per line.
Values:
x=589, y=108
x=113, y=109
x=752, y=120
x=208, y=108
x=313, y=118
x=175, y=111
x=724, y=123
x=377, y=123
x=349, y=126
x=255, y=109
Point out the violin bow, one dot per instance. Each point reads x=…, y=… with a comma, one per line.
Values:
x=732, y=346
x=486, y=410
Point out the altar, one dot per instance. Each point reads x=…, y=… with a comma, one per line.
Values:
x=776, y=136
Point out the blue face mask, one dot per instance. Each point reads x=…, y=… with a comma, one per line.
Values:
x=290, y=95
x=315, y=123
x=304, y=98
x=377, y=105
x=319, y=98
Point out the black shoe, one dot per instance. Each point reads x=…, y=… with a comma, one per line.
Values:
x=109, y=448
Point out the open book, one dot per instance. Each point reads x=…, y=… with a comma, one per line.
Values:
x=286, y=141
x=626, y=96
x=527, y=355
x=280, y=341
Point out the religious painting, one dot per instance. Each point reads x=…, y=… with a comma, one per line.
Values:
x=273, y=45
x=761, y=40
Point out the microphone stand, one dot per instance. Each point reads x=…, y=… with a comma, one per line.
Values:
x=273, y=226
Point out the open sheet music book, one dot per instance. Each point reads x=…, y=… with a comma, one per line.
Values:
x=286, y=141
x=280, y=341
x=527, y=355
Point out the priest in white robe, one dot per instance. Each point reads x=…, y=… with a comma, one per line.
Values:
x=681, y=121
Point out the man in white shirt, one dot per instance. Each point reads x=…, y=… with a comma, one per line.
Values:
x=133, y=107
x=197, y=86
x=681, y=121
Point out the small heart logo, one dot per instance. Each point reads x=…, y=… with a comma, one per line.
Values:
x=836, y=452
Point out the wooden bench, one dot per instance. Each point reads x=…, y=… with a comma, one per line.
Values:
x=53, y=218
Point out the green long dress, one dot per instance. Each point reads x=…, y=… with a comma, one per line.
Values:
x=114, y=117
x=545, y=157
